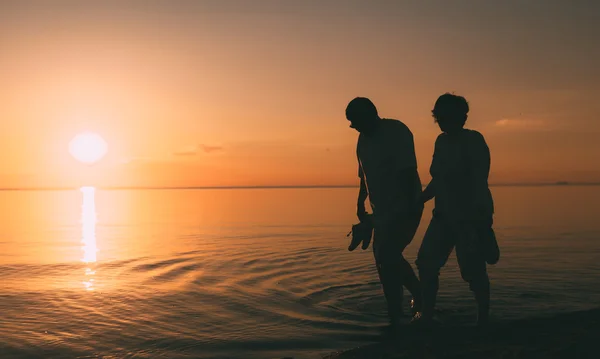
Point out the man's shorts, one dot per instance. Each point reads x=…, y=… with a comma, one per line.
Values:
x=392, y=234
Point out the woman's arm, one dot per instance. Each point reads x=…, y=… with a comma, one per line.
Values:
x=480, y=170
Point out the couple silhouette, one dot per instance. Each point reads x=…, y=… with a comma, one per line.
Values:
x=463, y=214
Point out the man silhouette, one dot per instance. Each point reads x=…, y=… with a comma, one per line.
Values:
x=387, y=168
x=463, y=212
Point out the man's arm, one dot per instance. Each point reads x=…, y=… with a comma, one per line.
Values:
x=410, y=184
x=361, y=211
x=407, y=177
x=363, y=193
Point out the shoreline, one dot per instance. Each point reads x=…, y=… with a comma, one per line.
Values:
x=171, y=188
x=568, y=335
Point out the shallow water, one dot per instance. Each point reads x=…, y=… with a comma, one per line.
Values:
x=253, y=273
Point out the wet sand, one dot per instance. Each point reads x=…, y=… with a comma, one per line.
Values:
x=571, y=335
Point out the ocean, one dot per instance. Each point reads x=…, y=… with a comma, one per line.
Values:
x=254, y=273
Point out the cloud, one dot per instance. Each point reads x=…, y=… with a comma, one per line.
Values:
x=186, y=152
x=209, y=149
x=520, y=123
x=194, y=150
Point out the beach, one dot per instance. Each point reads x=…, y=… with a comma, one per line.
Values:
x=570, y=335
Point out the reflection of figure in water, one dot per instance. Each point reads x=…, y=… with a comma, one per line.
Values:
x=388, y=177
x=464, y=208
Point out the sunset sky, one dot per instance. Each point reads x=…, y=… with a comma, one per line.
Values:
x=227, y=93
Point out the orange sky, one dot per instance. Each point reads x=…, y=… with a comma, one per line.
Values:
x=225, y=93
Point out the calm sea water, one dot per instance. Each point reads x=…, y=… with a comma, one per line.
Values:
x=253, y=273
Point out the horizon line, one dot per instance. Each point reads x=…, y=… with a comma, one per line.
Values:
x=68, y=188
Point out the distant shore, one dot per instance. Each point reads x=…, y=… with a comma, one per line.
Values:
x=570, y=335
x=115, y=188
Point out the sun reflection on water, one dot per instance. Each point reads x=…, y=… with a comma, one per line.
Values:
x=88, y=229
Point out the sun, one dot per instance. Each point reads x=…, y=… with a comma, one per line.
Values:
x=88, y=147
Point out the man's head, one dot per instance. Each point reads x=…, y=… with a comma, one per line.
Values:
x=450, y=112
x=362, y=114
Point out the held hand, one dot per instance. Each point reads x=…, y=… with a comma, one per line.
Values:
x=362, y=215
x=424, y=198
x=417, y=208
x=418, y=204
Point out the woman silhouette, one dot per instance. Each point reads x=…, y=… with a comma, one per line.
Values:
x=464, y=208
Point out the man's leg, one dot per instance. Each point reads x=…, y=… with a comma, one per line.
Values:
x=392, y=236
x=473, y=270
x=412, y=283
x=434, y=252
x=410, y=279
x=394, y=276
x=392, y=290
x=390, y=274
